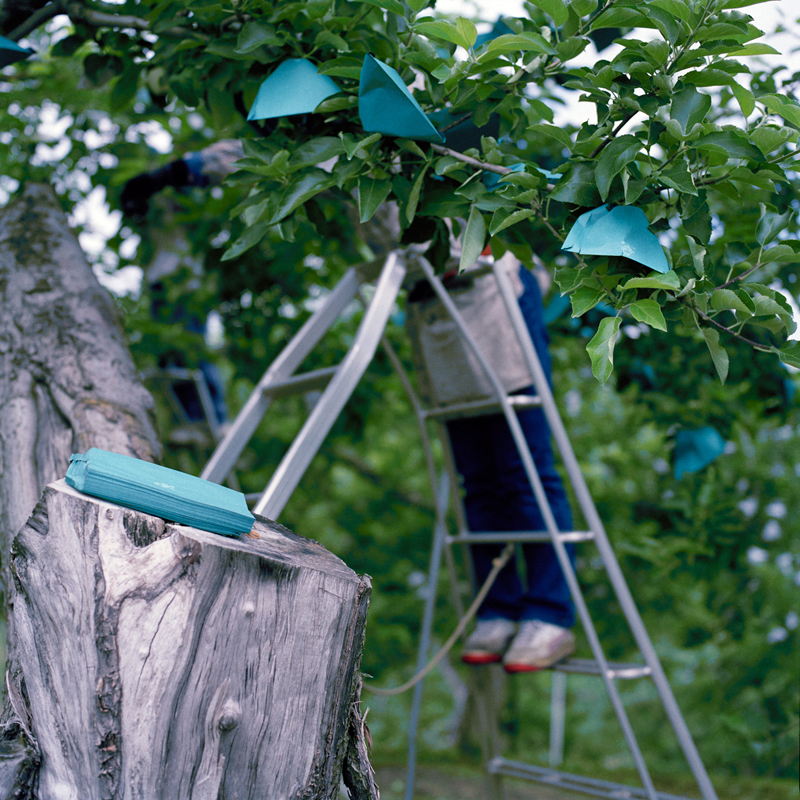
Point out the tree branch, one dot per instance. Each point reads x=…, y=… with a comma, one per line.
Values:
x=755, y=345
x=474, y=162
x=35, y=20
x=610, y=138
x=738, y=277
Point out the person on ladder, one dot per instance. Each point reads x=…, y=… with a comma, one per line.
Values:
x=525, y=624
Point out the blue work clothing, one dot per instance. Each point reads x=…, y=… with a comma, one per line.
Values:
x=499, y=497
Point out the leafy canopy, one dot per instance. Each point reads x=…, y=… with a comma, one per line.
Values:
x=682, y=129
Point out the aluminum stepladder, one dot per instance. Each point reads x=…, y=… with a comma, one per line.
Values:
x=340, y=381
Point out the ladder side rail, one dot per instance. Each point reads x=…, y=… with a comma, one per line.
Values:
x=613, y=569
x=440, y=529
x=207, y=403
x=248, y=419
x=308, y=441
x=550, y=523
x=441, y=495
x=461, y=523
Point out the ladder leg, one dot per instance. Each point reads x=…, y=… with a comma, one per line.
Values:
x=290, y=358
x=440, y=532
x=338, y=391
x=547, y=514
x=558, y=708
x=606, y=551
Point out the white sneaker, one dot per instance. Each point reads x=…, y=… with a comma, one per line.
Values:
x=538, y=645
x=488, y=641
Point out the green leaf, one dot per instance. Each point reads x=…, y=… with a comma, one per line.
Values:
x=253, y=35
x=467, y=30
x=555, y=9
x=571, y=47
x=330, y=39
x=251, y=236
x=585, y=299
x=784, y=106
x=782, y=252
x=413, y=199
x=601, y=348
x=649, y=312
x=678, y=8
x=357, y=148
x=124, y=89
x=696, y=217
x=578, y=186
x=771, y=224
x=316, y=151
x=755, y=50
x=504, y=218
x=389, y=5
x=789, y=354
x=730, y=144
x=678, y=177
x=614, y=158
x=512, y=42
x=417, y=5
x=728, y=300
x=689, y=107
x=559, y=134
x=473, y=240
x=295, y=194
x=698, y=254
x=371, y=193
x=718, y=354
x=444, y=31
x=668, y=280
x=745, y=98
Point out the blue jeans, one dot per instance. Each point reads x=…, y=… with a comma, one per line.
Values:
x=499, y=497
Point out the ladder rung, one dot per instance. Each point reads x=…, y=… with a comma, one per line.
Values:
x=298, y=384
x=500, y=537
x=574, y=783
x=489, y=405
x=588, y=666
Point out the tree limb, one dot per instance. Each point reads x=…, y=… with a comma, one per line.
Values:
x=474, y=162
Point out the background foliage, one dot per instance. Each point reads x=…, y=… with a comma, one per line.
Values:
x=687, y=126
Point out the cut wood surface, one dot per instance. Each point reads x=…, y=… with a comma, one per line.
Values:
x=162, y=661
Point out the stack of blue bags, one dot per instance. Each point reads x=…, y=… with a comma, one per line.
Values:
x=160, y=491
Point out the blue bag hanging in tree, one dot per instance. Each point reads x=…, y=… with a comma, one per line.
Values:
x=160, y=491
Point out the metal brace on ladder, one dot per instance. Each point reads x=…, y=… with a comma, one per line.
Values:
x=340, y=381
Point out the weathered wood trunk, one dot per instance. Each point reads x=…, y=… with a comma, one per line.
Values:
x=146, y=660
x=67, y=380
x=162, y=661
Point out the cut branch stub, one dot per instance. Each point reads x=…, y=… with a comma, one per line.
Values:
x=200, y=666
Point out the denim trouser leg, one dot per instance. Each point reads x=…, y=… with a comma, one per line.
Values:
x=498, y=496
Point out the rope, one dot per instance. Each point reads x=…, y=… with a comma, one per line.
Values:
x=497, y=564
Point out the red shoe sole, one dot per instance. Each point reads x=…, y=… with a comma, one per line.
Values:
x=512, y=669
x=479, y=660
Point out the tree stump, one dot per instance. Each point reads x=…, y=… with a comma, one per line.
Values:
x=161, y=661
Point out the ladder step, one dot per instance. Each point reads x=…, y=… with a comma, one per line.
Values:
x=573, y=783
x=500, y=537
x=473, y=408
x=588, y=666
x=299, y=384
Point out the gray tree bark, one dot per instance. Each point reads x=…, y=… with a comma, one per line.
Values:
x=147, y=660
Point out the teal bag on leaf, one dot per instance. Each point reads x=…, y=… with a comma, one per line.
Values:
x=11, y=52
x=295, y=87
x=386, y=106
x=160, y=491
